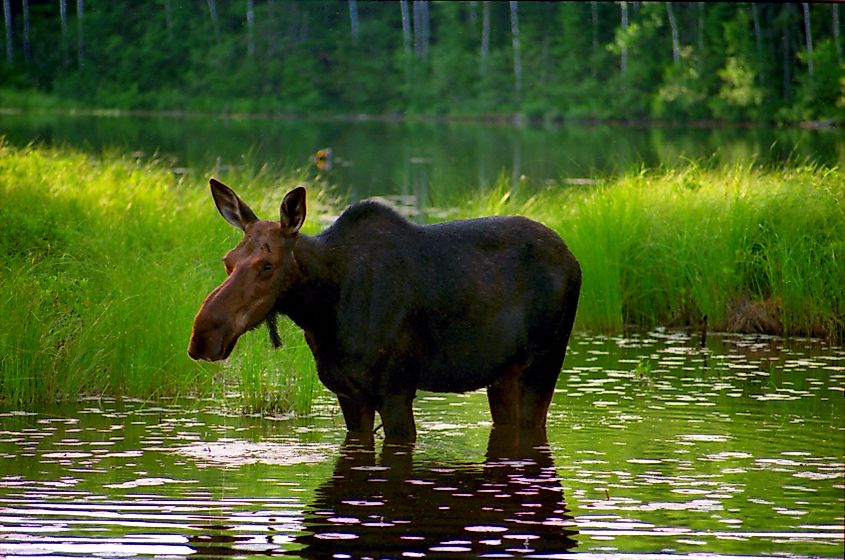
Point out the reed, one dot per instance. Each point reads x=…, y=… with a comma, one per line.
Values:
x=747, y=248
x=104, y=262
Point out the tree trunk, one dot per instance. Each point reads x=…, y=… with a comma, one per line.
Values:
x=406, y=28
x=676, y=43
x=7, y=18
x=417, y=28
x=406, y=40
x=808, y=33
x=485, y=35
x=758, y=37
x=517, y=61
x=80, y=35
x=623, y=56
x=250, y=29
x=421, y=29
x=835, y=16
x=700, y=37
x=787, y=78
x=168, y=18
x=353, y=20
x=27, y=50
x=65, y=41
x=215, y=20
x=594, y=16
x=426, y=28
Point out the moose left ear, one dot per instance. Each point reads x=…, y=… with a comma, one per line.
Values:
x=292, y=211
x=230, y=206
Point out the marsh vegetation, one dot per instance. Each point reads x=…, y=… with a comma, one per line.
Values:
x=105, y=260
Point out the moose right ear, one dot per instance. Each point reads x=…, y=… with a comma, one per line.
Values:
x=230, y=206
x=292, y=211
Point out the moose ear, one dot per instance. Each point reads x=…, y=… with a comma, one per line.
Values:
x=232, y=208
x=292, y=211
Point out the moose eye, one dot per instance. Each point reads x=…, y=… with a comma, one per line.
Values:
x=267, y=267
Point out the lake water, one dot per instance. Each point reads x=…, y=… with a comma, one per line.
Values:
x=654, y=447
x=429, y=161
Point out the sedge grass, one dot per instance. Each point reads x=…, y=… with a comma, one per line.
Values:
x=747, y=248
x=105, y=262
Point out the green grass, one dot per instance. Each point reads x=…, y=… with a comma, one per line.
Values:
x=104, y=264
x=751, y=249
x=106, y=260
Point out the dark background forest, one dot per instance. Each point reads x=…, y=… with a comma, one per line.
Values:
x=764, y=62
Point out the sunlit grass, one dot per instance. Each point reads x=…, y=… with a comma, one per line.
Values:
x=747, y=248
x=104, y=264
x=106, y=260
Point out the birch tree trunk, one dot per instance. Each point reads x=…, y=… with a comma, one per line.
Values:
x=594, y=13
x=65, y=41
x=700, y=37
x=835, y=17
x=758, y=38
x=623, y=56
x=353, y=20
x=809, y=34
x=168, y=18
x=27, y=50
x=250, y=29
x=485, y=36
x=785, y=47
x=7, y=19
x=215, y=20
x=417, y=29
x=421, y=29
x=517, y=61
x=80, y=33
x=676, y=43
x=426, y=28
x=406, y=28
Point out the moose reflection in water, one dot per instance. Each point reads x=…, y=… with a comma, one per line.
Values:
x=389, y=307
x=389, y=507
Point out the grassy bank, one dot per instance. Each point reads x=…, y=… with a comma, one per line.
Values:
x=751, y=250
x=105, y=262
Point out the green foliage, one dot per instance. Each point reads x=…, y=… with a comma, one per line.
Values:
x=105, y=262
x=738, y=61
x=750, y=249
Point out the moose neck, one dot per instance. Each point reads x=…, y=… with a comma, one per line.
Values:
x=309, y=302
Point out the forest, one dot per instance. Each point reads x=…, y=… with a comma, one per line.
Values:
x=538, y=61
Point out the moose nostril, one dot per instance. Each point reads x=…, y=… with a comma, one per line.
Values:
x=195, y=348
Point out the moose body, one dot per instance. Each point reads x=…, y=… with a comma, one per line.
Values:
x=389, y=307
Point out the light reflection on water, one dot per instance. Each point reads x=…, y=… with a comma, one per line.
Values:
x=654, y=446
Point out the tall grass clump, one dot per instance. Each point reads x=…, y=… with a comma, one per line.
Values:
x=105, y=261
x=744, y=248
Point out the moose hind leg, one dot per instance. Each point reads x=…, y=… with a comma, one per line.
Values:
x=503, y=397
x=538, y=387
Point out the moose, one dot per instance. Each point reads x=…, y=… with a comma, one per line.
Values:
x=389, y=307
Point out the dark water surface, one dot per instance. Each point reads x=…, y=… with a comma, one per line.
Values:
x=654, y=446
x=430, y=161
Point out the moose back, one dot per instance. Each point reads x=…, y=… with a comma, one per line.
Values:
x=389, y=307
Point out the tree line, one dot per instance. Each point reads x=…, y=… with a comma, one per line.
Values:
x=542, y=60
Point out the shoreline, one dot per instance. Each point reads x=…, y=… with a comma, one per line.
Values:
x=517, y=120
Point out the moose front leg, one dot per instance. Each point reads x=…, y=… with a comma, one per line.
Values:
x=397, y=415
x=359, y=416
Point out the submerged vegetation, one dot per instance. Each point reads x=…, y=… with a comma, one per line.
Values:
x=106, y=260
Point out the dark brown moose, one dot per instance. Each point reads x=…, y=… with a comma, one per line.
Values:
x=389, y=307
